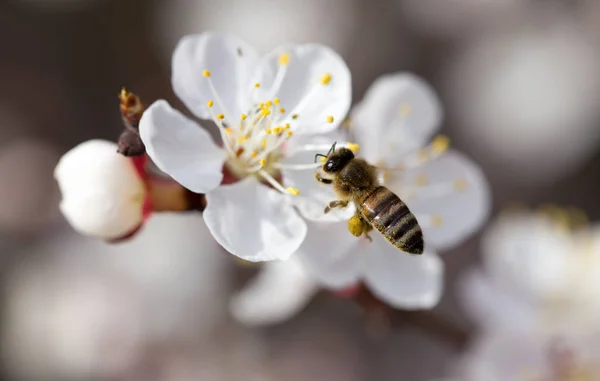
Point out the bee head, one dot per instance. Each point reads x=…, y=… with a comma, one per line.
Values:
x=337, y=160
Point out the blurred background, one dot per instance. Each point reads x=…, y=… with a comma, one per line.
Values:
x=520, y=82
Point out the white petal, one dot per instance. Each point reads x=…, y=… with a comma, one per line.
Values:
x=253, y=221
x=531, y=254
x=329, y=254
x=399, y=113
x=231, y=63
x=278, y=292
x=314, y=196
x=301, y=91
x=181, y=148
x=400, y=279
x=102, y=192
x=463, y=206
x=492, y=306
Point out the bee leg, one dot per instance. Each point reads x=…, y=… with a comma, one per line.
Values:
x=335, y=204
x=366, y=229
x=322, y=180
x=356, y=225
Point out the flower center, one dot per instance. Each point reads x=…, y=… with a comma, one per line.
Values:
x=254, y=139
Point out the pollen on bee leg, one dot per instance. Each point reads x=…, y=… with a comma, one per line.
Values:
x=355, y=226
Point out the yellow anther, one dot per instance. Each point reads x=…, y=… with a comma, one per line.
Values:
x=353, y=147
x=268, y=131
x=257, y=85
x=329, y=119
x=437, y=221
x=276, y=101
x=268, y=103
x=210, y=103
x=265, y=111
x=277, y=130
x=253, y=154
x=287, y=126
x=262, y=162
x=282, y=110
x=264, y=143
x=326, y=78
x=293, y=191
x=460, y=184
x=261, y=105
x=220, y=116
x=323, y=159
x=421, y=180
x=244, y=116
x=440, y=144
x=228, y=130
x=206, y=73
x=295, y=116
x=405, y=109
x=240, y=140
x=290, y=133
x=284, y=59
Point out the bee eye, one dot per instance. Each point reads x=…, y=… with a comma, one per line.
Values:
x=331, y=165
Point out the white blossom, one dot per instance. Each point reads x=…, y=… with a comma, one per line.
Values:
x=102, y=194
x=258, y=105
x=393, y=125
x=538, y=275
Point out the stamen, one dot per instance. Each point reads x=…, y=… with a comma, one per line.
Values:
x=253, y=154
x=325, y=147
x=326, y=78
x=269, y=103
x=282, y=110
x=256, y=85
x=206, y=73
x=329, y=119
x=277, y=185
x=276, y=101
x=421, y=180
x=244, y=116
x=430, y=220
x=440, y=144
x=295, y=116
x=290, y=133
x=461, y=184
x=264, y=143
x=284, y=59
x=220, y=116
x=262, y=162
x=353, y=147
x=405, y=109
x=228, y=130
x=297, y=167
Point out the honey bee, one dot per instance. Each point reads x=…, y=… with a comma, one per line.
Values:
x=355, y=180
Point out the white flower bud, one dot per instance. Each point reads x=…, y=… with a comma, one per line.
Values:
x=102, y=194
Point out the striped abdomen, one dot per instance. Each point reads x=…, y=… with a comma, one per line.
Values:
x=392, y=218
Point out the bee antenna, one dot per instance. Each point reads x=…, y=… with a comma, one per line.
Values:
x=332, y=149
x=319, y=155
